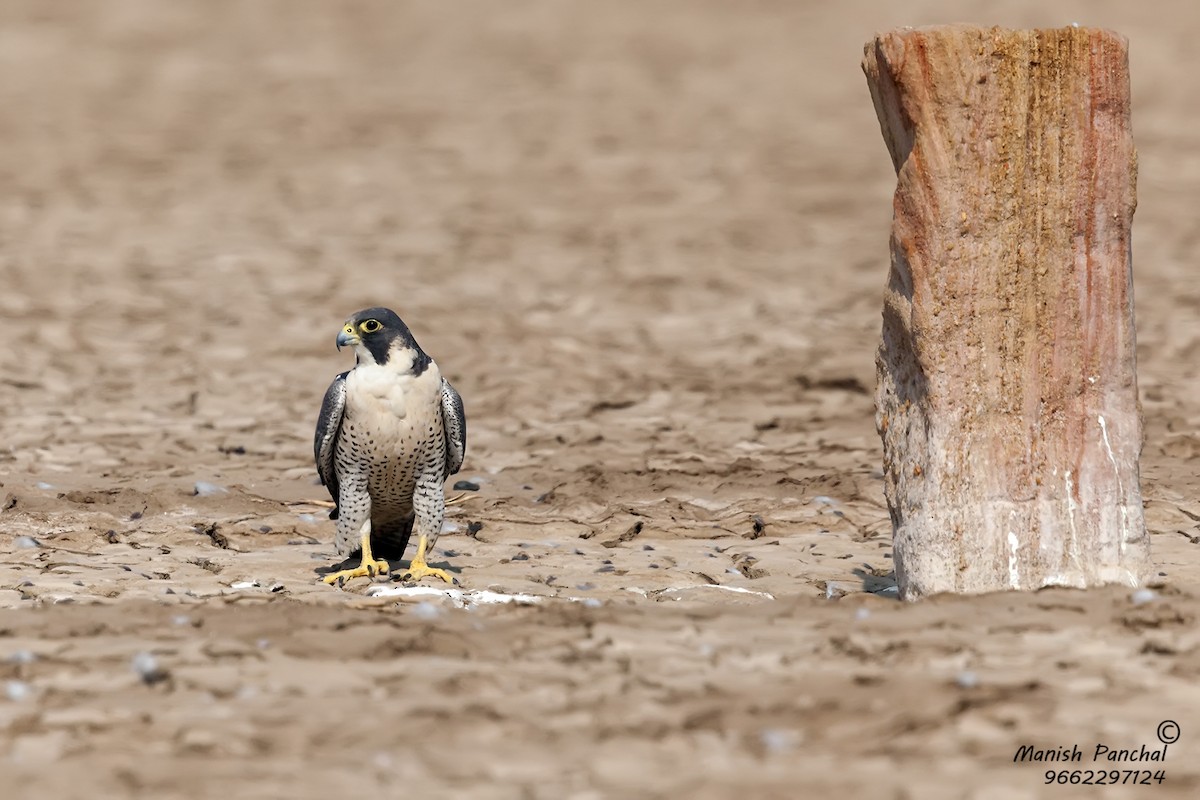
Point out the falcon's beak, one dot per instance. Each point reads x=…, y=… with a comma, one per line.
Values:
x=346, y=336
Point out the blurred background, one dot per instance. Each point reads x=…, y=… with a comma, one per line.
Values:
x=568, y=201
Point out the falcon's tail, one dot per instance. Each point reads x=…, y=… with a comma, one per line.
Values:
x=389, y=539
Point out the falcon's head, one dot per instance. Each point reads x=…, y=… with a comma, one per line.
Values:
x=379, y=336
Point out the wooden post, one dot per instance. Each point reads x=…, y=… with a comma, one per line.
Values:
x=1007, y=397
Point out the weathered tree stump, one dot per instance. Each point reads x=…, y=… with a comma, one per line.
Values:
x=1007, y=397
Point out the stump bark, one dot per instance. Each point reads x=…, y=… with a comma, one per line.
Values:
x=1007, y=394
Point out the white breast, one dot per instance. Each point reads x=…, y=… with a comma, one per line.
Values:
x=377, y=392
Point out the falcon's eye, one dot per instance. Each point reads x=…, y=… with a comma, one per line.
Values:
x=371, y=325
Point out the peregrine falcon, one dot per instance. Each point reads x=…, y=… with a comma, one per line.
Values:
x=390, y=432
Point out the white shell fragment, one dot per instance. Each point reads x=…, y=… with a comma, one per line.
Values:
x=717, y=586
x=17, y=691
x=425, y=610
x=22, y=657
x=146, y=665
x=967, y=680
x=1143, y=596
x=460, y=598
x=779, y=741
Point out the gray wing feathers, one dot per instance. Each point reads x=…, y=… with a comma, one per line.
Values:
x=329, y=424
x=454, y=420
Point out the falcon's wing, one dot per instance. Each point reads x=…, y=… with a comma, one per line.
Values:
x=329, y=424
x=454, y=420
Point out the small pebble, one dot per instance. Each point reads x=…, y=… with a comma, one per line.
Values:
x=592, y=602
x=26, y=542
x=861, y=614
x=521, y=557
x=450, y=527
x=206, y=489
x=466, y=486
x=43, y=485
x=147, y=668
x=647, y=547
x=307, y=518
x=607, y=568
x=181, y=620
x=824, y=500
x=967, y=680
x=425, y=610
x=275, y=587
x=1143, y=596
x=18, y=690
x=584, y=587
x=244, y=585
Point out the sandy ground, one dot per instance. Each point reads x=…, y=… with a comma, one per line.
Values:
x=646, y=240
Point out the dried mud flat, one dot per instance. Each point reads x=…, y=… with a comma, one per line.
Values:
x=647, y=242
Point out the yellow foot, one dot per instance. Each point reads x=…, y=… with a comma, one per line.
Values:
x=416, y=571
x=369, y=568
x=417, y=568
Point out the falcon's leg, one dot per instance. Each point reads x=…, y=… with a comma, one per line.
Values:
x=417, y=568
x=429, y=505
x=368, y=568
